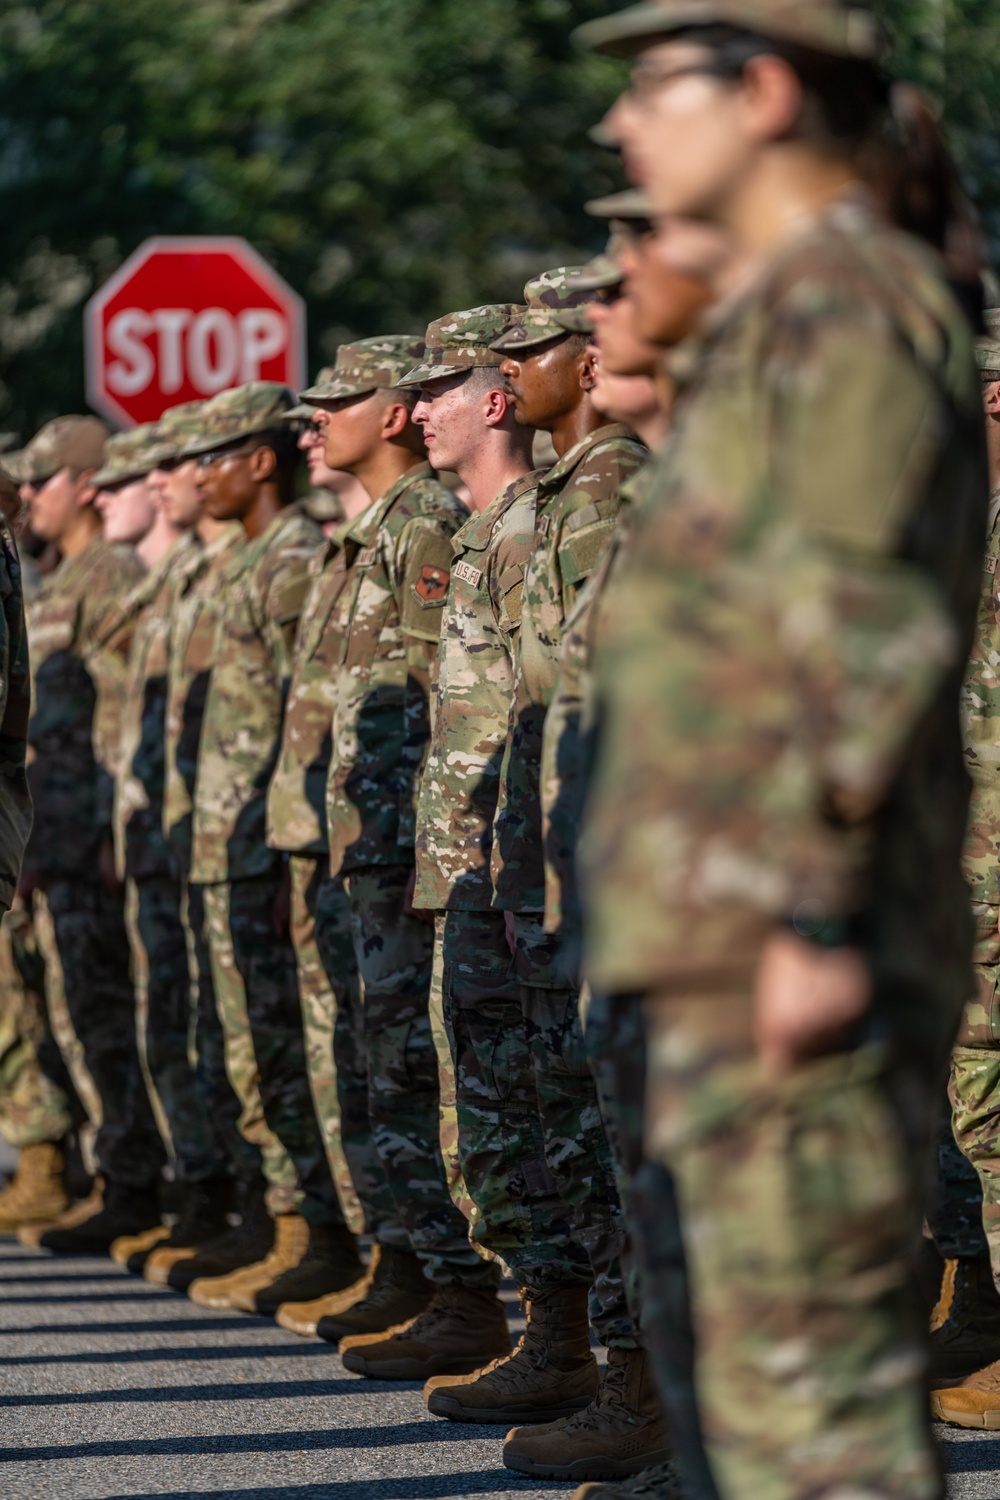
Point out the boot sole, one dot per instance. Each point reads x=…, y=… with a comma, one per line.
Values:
x=983, y=1421
x=442, y=1405
x=406, y=1369
x=300, y=1326
x=583, y=1469
x=270, y=1307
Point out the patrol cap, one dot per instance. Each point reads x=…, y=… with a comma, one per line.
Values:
x=130, y=455
x=823, y=25
x=178, y=426
x=369, y=365
x=65, y=442
x=323, y=505
x=546, y=296
x=988, y=347
x=242, y=412
x=461, y=341
x=303, y=413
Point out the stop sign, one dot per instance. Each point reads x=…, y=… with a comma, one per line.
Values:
x=185, y=318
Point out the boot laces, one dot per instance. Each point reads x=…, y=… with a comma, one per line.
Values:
x=609, y=1405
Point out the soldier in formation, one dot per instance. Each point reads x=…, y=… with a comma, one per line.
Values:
x=572, y=882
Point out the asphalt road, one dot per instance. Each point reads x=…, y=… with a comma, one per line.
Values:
x=110, y=1387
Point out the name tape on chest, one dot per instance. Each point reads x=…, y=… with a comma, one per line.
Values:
x=468, y=574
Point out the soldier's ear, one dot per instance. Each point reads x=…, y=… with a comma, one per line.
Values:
x=395, y=419
x=263, y=463
x=86, y=490
x=587, y=367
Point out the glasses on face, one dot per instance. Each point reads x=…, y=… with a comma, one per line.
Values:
x=646, y=80
x=209, y=460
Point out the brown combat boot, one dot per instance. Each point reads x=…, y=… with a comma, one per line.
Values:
x=462, y=1326
x=965, y=1324
x=661, y=1482
x=30, y=1235
x=236, y=1290
x=128, y=1246
x=551, y=1373
x=36, y=1194
x=332, y=1263
x=247, y=1243
x=124, y=1210
x=203, y=1214
x=302, y=1317
x=973, y=1403
x=398, y=1292
x=622, y=1432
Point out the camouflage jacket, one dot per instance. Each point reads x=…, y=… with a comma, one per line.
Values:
x=981, y=732
x=15, y=707
x=459, y=788
x=74, y=734
x=576, y=513
x=398, y=556
x=782, y=642
x=194, y=627
x=568, y=744
x=296, y=798
x=141, y=848
x=264, y=588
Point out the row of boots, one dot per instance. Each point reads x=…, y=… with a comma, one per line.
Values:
x=569, y=1419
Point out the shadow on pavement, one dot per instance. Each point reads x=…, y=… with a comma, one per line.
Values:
x=213, y=1351
x=408, y=1487
x=250, y=1390
x=399, y=1435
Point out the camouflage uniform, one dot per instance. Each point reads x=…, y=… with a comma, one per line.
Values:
x=779, y=654
x=974, y=1084
x=256, y=984
x=190, y=652
x=398, y=555
x=321, y=912
x=576, y=513
x=514, y=1212
x=32, y=1106
x=73, y=736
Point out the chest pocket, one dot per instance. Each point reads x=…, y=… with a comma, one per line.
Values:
x=373, y=630
x=585, y=536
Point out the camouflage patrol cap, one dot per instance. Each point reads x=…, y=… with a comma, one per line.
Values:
x=323, y=506
x=178, y=426
x=65, y=442
x=462, y=340
x=824, y=25
x=242, y=412
x=368, y=365
x=987, y=348
x=303, y=413
x=598, y=276
x=546, y=296
x=130, y=455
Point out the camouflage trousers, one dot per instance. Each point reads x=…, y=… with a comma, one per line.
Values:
x=33, y=1107
x=328, y=987
x=82, y=929
x=165, y=1026
x=257, y=995
x=531, y=1143
x=394, y=954
x=654, y=1260
x=800, y=1203
x=974, y=1091
x=222, y=1104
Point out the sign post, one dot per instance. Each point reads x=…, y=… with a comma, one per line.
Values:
x=185, y=318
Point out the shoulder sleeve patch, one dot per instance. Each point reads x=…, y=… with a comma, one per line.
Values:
x=431, y=586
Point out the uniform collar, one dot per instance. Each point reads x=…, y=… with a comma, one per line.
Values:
x=477, y=532
x=560, y=471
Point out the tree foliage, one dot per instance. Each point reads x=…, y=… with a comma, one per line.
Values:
x=391, y=160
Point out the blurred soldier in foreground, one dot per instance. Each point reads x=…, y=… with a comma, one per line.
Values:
x=388, y=617
x=34, y=1112
x=74, y=738
x=771, y=857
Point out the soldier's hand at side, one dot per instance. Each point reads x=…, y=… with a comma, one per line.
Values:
x=422, y=913
x=27, y=885
x=281, y=911
x=807, y=999
x=107, y=871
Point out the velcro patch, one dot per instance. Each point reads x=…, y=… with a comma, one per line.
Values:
x=990, y=565
x=468, y=574
x=367, y=557
x=431, y=587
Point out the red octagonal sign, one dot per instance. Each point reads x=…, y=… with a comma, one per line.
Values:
x=185, y=318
